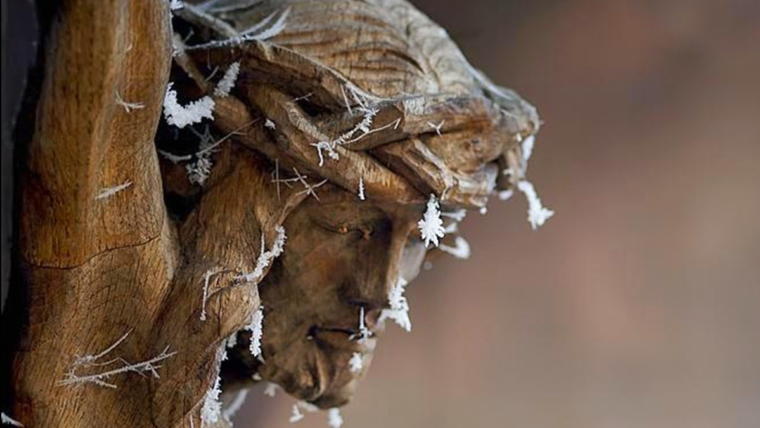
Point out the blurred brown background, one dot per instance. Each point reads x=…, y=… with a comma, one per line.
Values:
x=638, y=305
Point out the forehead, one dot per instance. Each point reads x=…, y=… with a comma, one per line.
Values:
x=337, y=205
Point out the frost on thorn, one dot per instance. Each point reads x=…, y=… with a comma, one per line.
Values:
x=363, y=333
x=212, y=407
x=225, y=85
x=437, y=127
x=255, y=32
x=355, y=363
x=399, y=308
x=7, y=420
x=90, y=361
x=110, y=191
x=265, y=257
x=128, y=107
x=537, y=213
x=229, y=412
x=358, y=131
x=270, y=390
x=431, y=225
x=181, y=116
x=504, y=195
x=256, y=328
x=460, y=250
x=457, y=215
x=206, y=278
x=361, y=188
x=296, y=415
x=334, y=419
x=171, y=157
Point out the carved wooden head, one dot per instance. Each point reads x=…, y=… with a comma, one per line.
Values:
x=364, y=126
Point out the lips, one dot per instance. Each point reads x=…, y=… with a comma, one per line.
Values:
x=341, y=338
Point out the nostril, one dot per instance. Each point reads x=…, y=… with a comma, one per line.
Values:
x=311, y=332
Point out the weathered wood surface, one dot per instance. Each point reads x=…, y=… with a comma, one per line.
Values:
x=96, y=267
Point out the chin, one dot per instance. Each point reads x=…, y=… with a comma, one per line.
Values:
x=317, y=372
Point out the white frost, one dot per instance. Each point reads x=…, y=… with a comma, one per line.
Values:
x=399, y=307
x=431, y=225
x=460, y=250
x=225, y=85
x=355, y=363
x=229, y=412
x=265, y=257
x=537, y=213
x=361, y=189
x=181, y=116
x=110, y=191
x=334, y=419
x=212, y=407
x=257, y=330
x=7, y=420
x=296, y=415
x=270, y=390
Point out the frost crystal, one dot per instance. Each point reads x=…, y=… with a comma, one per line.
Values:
x=212, y=407
x=90, y=361
x=460, y=250
x=181, y=116
x=270, y=390
x=256, y=328
x=334, y=419
x=265, y=257
x=176, y=5
x=537, y=213
x=504, y=195
x=270, y=32
x=128, y=107
x=355, y=363
x=228, y=80
x=431, y=225
x=399, y=308
x=361, y=188
x=236, y=404
x=110, y=191
x=364, y=333
x=269, y=124
x=7, y=420
x=206, y=278
x=296, y=415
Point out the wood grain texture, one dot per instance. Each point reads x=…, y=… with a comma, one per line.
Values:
x=117, y=246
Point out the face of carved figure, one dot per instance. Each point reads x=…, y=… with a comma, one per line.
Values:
x=342, y=255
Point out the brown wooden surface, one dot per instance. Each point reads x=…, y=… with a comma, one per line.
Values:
x=133, y=263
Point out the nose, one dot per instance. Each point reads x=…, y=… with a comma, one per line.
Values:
x=387, y=260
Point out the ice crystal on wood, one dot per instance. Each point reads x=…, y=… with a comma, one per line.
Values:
x=110, y=191
x=431, y=225
x=99, y=378
x=194, y=112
